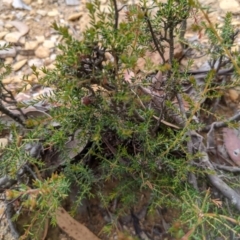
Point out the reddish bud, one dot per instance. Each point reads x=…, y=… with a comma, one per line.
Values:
x=86, y=100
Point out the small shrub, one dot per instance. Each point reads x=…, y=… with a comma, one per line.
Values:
x=136, y=124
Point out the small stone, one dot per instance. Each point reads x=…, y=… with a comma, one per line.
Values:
x=22, y=40
x=32, y=78
x=8, y=60
x=72, y=2
x=235, y=23
x=53, y=57
x=54, y=38
x=74, y=16
x=36, y=62
x=20, y=57
x=13, y=37
x=3, y=143
x=8, y=25
x=42, y=12
x=53, y=13
x=20, y=15
x=233, y=94
x=27, y=1
x=20, y=97
x=40, y=2
x=51, y=66
x=32, y=12
x=47, y=33
x=7, y=2
x=7, y=80
x=10, y=17
x=42, y=52
x=10, y=52
x=31, y=45
x=19, y=65
x=16, y=79
x=47, y=62
x=62, y=21
x=229, y=5
x=109, y=57
x=28, y=87
x=21, y=27
x=48, y=44
x=2, y=43
x=18, y=4
x=40, y=39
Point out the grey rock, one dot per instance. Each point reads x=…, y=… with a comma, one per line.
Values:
x=20, y=26
x=10, y=52
x=36, y=62
x=18, y=4
x=72, y=2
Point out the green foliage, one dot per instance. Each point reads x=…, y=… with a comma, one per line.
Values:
x=130, y=142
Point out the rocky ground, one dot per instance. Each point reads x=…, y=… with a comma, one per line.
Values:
x=27, y=26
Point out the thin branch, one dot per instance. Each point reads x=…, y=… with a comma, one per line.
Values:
x=171, y=46
x=181, y=105
x=15, y=117
x=227, y=168
x=11, y=97
x=120, y=9
x=221, y=124
x=30, y=171
x=115, y=15
x=153, y=36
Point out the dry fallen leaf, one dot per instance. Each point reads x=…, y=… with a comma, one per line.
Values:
x=231, y=140
x=73, y=228
x=217, y=202
x=76, y=145
x=128, y=76
x=123, y=236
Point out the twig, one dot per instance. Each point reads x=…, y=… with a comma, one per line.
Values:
x=115, y=14
x=203, y=73
x=227, y=168
x=136, y=223
x=221, y=124
x=192, y=179
x=15, y=117
x=181, y=105
x=153, y=36
x=171, y=47
x=30, y=171
x=147, y=91
x=13, y=98
x=183, y=28
x=120, y=9
x=113, y=150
